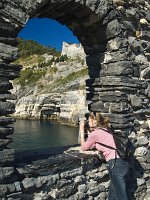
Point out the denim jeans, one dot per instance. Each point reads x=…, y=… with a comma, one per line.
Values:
x=118, y=170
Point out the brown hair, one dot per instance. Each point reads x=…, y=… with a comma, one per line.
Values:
x=101, y=120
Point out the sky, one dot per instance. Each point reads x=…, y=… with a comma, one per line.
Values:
x=47, y=32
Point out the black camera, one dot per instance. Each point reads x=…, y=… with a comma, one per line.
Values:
x=86, y=125
x=87, y=116
x=86, y=128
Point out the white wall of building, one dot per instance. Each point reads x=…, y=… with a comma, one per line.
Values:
x=72, y=50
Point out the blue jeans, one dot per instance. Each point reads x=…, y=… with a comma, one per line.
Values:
x=118, y=170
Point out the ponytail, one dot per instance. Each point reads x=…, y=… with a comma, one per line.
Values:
x=101, y=120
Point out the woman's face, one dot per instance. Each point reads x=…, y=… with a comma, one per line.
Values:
x=92, y=122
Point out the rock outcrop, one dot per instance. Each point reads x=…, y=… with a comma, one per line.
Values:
x=66, y=108
x=65, y=102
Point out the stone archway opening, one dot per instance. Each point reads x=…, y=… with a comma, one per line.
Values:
x=50, y=66
x=34, y=103
x=94, y=24
x=98, y=28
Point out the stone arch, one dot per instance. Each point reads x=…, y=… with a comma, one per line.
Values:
x=97, y=25
x=114, y=75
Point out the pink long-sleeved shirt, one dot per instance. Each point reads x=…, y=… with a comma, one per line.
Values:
x=104, y=137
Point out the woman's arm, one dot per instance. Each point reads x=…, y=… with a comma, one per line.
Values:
x=86, y=145
x=82, y=132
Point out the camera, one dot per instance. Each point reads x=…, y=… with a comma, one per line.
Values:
x=86, y=122
x=87, y=116
x=86, y=127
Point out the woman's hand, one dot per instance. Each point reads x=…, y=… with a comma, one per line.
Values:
x=82, y=122
x=82, y=128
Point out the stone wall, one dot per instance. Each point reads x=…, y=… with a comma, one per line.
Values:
x=65, y=173
x=115, y=37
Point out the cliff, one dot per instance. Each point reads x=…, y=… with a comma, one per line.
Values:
x=50, y=86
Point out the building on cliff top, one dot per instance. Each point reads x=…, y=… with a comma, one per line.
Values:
x=72, y=50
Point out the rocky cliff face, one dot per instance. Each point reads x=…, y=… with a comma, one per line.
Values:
x=65, y=102
x=66, y=107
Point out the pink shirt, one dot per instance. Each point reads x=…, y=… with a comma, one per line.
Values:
x=104, y=137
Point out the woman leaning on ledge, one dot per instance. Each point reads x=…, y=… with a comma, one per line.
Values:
x=117, y=167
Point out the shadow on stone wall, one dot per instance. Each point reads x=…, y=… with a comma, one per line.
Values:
x=135, y=171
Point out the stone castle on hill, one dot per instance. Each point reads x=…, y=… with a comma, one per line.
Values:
x=72, y=50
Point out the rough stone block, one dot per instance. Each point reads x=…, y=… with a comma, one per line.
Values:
x=6, y=157
x=121, y=107
x=8, y=96
x=72, y=173
x=10, y=41
x=136, y=101
x=66, y=191
x=6, y=120
x=7, y=108
x=5, y=85
x=117, y=69
x=7, y=30
x=97, y=106
x=6, y=173
x=112, y=96
x=4, y=131
x=8, y=52
x=113, y=29
x=120, y=118
x=100, y=9
x=117, y=43
x=29, y=183
x=5, y=142
x=112, y=57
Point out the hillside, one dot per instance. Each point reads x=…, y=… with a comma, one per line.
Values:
x=50, y=85
x=46, y=70
x=30, y=47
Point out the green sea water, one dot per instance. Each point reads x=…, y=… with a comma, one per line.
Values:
x=31, y=134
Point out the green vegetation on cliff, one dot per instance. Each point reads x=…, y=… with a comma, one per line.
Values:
x=46, y=69
x=29, y=47
x=29, y=77
x=73, y=76
x=63, y=81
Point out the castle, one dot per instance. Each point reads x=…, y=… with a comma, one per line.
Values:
x=72, y=50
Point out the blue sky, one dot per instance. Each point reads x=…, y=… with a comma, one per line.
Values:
x=47, y=32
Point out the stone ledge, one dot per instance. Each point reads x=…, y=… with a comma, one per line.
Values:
x=68, y=161
x=59, y=153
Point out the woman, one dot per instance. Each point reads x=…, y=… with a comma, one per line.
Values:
x=117, y=167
